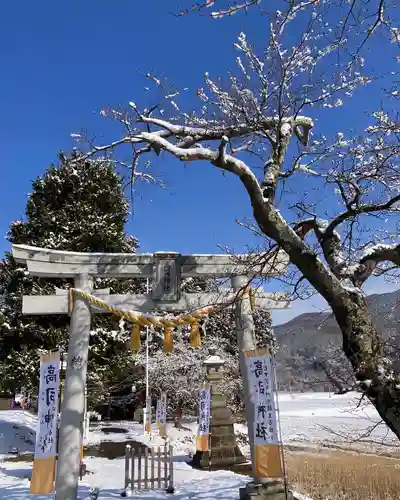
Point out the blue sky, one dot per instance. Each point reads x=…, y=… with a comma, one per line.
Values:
x=62, y=61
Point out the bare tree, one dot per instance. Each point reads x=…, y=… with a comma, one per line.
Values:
x=263, y=116
x=181, y=374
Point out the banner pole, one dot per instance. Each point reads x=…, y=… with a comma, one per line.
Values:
x=209, y=431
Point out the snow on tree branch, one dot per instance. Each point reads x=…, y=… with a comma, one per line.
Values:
x=260, y=122
x=372, y=257
x=230, y=10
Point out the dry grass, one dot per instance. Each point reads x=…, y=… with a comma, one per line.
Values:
x=337, y=475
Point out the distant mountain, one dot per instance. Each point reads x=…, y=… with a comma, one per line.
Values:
x=314, y=338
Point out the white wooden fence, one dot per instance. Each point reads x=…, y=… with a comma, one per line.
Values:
x=149, y=469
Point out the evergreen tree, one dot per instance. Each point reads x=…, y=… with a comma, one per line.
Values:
x=77, y=206
x=80, y=206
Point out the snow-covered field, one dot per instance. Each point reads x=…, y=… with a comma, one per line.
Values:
x=305, y=419
x=318, y=418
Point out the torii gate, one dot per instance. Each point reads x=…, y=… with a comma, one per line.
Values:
x=166, y=269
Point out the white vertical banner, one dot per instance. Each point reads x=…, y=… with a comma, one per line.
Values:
x=148, y=416
x=49, y=386
x=46, y=433
x=262, y=395
x=158, y=412
x=162, y=417
x=203, y=430
x=260, y=371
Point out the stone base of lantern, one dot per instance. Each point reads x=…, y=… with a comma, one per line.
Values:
x=269, y=490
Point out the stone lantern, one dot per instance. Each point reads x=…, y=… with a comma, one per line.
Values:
x=213, y=364
x=223, y=450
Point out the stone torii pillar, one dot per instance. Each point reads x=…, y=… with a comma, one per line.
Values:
x=166, y=270
x=73, y=403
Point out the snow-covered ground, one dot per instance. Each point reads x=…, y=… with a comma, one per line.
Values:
x=305, y=418
x=319, y=418
x=108, y=475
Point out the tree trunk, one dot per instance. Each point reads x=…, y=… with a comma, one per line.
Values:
x=331, y=377
x=361, y=341
x=178, y=417
x=363, y=348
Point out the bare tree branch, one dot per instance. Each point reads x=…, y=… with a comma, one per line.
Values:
x=371, y=259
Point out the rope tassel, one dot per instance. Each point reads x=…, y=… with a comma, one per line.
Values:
x=70, y=301
x=252, y=297
x=168, y=339
x=135, y=338
x=194, y=337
